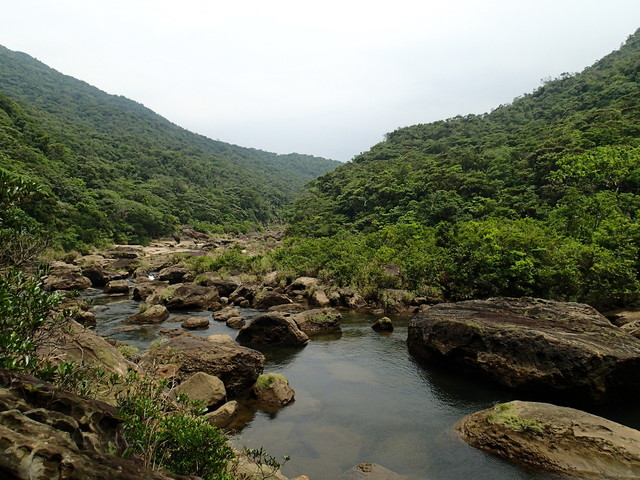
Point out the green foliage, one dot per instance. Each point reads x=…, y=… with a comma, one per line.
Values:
x=171, y=434
x=24, y=308
x=539, y=197
x=112, y=170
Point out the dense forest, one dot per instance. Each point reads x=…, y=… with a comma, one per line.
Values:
x=539, y=197
x=105, y=168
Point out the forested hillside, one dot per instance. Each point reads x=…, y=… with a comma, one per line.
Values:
x=539, y=197
x=108, y=168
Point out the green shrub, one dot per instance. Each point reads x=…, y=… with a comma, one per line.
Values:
x=170, y=434
x=24, y=308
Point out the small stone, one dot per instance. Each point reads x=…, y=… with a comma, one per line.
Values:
x=195, y=323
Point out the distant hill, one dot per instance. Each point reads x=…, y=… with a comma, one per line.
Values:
x=114, y=170
x=538, y=197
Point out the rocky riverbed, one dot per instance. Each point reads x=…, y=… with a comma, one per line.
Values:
x=567, y=352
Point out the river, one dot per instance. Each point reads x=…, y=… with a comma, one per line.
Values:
x=360, y=397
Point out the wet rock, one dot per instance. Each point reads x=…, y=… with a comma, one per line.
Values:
x=195, y=323
x=371, y=471
x=272, y=391
x=149, y=314
x=318, y=321
x=117, y=286
x=274, y=329
x=267, y=299
x=183, y=297
x=557, y=349
x=238, y=367
x=223, y=416
x=236, y=322
x=173, y=274
x=559, y=439
x=202, y=387
x=383, y=324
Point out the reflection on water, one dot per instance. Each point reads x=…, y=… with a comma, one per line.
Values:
x=359, y=397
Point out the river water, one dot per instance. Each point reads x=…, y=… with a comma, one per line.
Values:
x=360, y=397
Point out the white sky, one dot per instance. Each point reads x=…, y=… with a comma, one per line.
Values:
x=327, y=78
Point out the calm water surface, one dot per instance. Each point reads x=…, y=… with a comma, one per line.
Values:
x=360, y=397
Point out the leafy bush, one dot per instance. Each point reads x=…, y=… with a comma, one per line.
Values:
x=24, y=308
x=171, y=434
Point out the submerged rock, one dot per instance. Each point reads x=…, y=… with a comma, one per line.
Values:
x=558, y=439
x=371, y=471
x=558, y=349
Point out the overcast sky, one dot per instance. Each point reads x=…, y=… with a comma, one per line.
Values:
x=327, y=78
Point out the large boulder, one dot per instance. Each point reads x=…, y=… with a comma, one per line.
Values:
x=173, y=274
x=202, y=387
x=117, y=286
x=71, y=342
x=100, y=275
x=46, y=433
x=559, y=439
x=238, y=367
x=556, y=349
x=266, y=299
x=318, y=321
x=273, y=329
x=184, y=297
x=64, y=276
